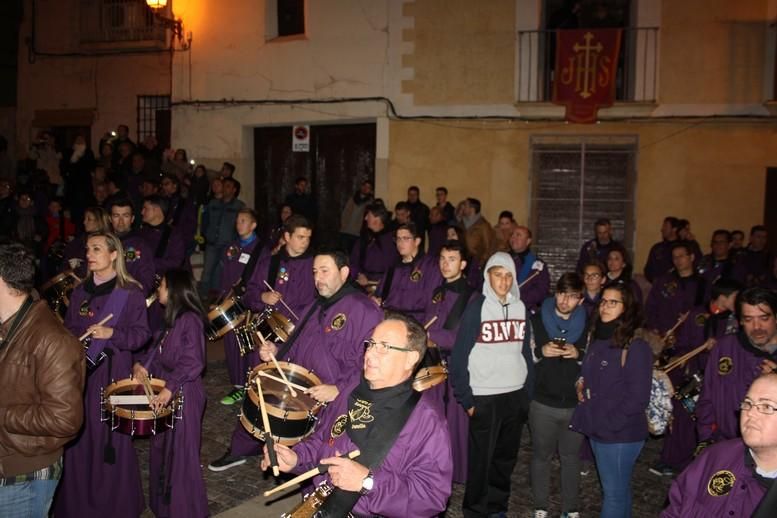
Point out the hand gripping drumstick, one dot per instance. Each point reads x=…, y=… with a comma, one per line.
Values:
x=680, y=320
x=101, y=322
x=431, y=321
x=320, y=469
x=278, y=367
x=282, y=302
x=268, y=440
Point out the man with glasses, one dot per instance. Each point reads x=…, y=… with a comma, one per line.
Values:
x=731, y=478
x=492, y=373
x=328, y=340
x=593, y=278
x=734, y=363
x=558, y=342
x=409, y=283
x=404, y=466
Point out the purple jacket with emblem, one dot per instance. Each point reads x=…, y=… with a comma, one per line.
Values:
x=373, y=254
x=672, y=295
x=139, y=259
x=235, y=262
x=412, y=285
x=293, y=280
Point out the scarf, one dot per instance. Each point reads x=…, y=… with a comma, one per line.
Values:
x=571, y=329
x=464, y=290
x=606, y=330
x=527, y=258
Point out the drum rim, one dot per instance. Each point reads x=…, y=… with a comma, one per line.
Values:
x=297, y=415
x=428, y=377
x=60, y=277
x=136, y=415
x=259, y=433
x=221, y=308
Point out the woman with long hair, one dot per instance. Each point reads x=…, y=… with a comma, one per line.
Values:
x=176, y=486
x=613, y=392
x=96, y=219
x=102, y=477
x=620, y=269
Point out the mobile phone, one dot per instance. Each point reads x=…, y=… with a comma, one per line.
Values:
x=560, y=342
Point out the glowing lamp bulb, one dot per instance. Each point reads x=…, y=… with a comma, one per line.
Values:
x=156, y=4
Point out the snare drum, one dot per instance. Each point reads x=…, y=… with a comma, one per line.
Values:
x=271, y=324
x=225, y=317
x=432, y=370
x=57, y=290
x=125, y=407
x=291, y=419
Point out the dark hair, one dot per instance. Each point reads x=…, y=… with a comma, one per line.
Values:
x=683, y=223
x=628, y=268
x=596, y=264
x=673, y=221
x=443, y=189
x=379, y=210
x=230, y=166
x=506, y=214
x=172, y=178
x=757, y=228
x=159, y=201
x=459, y=234
x=725, y=287
x=410, y=227
x=124, y=126
x=338, y=256
x=300, y=179
x=601, y=222
x=475, y=204
x=122, y=202
x=182, y=295
x=683, y=244
x=402, y=205
x=630, y=320
x=569, y=281
x=296, y=221
x=251, y=213
x=735, y=232
x=235, y=182
x=416, y=334
x=413, y=188
x=755, y=297
x=723, y=232
x=200, y=166
x=455, y=246
x=17, y=267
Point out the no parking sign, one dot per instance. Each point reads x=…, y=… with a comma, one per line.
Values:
x=300, y=139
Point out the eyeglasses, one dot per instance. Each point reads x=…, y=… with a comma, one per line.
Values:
x=383, y=347
x=763, y=408
x=592, y=276
x=610, y=303
x=403, y=238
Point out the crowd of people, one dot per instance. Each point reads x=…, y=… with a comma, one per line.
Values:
x=570, y=359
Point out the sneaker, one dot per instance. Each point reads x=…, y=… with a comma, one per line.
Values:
x=571, y=514
x=661, y=470
x=226, y=462
x=237, y=395
x=540, y=513
x=585, y=472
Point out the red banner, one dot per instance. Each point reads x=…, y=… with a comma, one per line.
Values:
x=586, y=63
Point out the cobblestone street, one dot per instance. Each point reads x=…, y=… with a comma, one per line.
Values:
x=246, y=483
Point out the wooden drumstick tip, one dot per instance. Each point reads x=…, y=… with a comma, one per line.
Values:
x=431, y=321
x=320, y=469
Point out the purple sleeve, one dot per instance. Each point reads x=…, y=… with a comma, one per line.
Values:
x=131, y=332
x=190, y=351
x=536, y=290
x=682, y=487
x=173, y=256
x=706, y=422
x=255, y=285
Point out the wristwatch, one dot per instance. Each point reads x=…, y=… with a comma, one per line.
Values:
x=367, y=483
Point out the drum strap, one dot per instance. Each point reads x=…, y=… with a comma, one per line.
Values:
x=275, y=264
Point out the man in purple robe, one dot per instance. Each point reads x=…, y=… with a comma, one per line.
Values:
x=754, y=263
x=374, y=253
x=181, y=214
x=659, y=259
x=596, y=249
x=676, y=292
x=411, y=478
x=533, y=277
x=733, y=364
x=237, y=257
x=447, y=304
x=328, y=341
x=138, y=255
x=167, y=245
x=718, y=263
x=731, y=478
x=409, y=283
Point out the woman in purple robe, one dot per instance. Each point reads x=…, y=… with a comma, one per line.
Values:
x=96, y=219
x=101, y=476
x=176, y=485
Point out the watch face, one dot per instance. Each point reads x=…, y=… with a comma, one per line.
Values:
x=367, y=483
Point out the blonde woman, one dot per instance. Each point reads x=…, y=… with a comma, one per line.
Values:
x=101, y=475
x=96, y=219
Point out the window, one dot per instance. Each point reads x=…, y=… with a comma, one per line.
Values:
x=284, y=18
x=119, y=21
x=575, y=181
x=154, y=118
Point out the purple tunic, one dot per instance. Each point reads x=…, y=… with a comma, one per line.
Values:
x=89, y=486
x=235, y=258
x=330, y=344
x=174, y=253
x=732, y=366
x=293, y=280
x=139, y=260
x=412, y=285
x=183, y=218
x=180, y=360
x=672, y=295
x=707, y=488
x=438, y=236
x=712, y=269
x=753, y=268
x=659, y=261
x=536, y=289
x=415, y=477
x=592, y=250
x=373, y=255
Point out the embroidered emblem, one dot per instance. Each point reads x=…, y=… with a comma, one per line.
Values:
x=721, y=483
x=84, y=309
x=131, y=254
x=670, y=288
x=415, y=276
x=360, y=415
x=725, y=365
x=339, y=321
x=437, y=298
x=232, y=252
x=701, y=319
x=283, y=275
x=339, y=426
x=604, y=363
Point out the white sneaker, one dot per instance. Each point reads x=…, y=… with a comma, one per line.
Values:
x=540, y=513
x=573, y=514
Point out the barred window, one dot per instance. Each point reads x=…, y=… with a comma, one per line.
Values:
x=119, y=21
x=154, y=118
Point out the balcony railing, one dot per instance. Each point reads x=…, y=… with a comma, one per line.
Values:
x=104, y=21
x=636, y=77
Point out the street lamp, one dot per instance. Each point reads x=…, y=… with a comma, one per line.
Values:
x=174, y=25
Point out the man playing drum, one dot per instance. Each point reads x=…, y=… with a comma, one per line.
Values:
x=327, y=341
x=404, y=467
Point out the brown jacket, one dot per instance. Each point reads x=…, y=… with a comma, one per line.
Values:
x=481, y=240
x=41, y=392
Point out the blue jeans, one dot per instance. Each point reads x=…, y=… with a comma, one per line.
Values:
x=28, y=499
x=615, y=462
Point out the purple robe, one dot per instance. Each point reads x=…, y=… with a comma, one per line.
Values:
x=234, y=263
x=89, y=486
x=713, y=269
x=753, y=268
x=182, y=215
x=440, y=305
x=414, y=479
x=659, y=261
x=672, y=295
x=373, y=255
x=180, y=361
x=330, y=344
x=438, y=236
x=293, y=280
x=412, y=285
x=139, y=260
x=592, y=250
x=536, y=289
x=174, y=253
x=690, y=495
x=732, y=366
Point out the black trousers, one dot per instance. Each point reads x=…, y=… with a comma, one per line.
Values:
x=494, y=439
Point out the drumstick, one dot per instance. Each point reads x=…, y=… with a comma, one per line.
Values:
x=530, y=277
x=268, y=440
x=687, y=356
x=280, y=380
x=282, y=302
x=278, y=367
x=148, y=390
x=431, y=321
x=101, y=322
x=679, y=322
x=320, y=469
